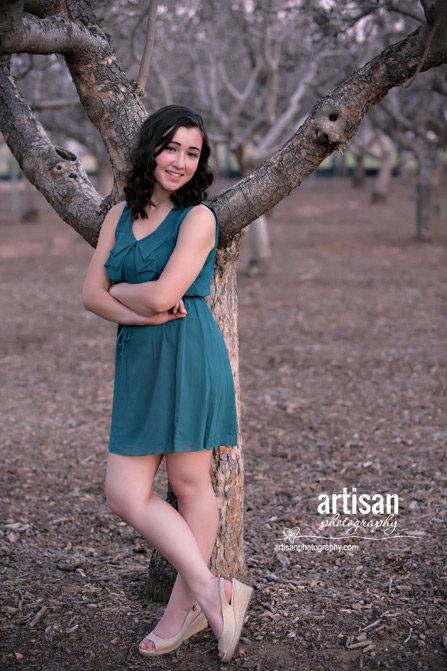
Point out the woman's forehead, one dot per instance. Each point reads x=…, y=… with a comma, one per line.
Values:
x=187, y=136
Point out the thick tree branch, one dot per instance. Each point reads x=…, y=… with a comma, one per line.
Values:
x=57, y=173
x=48, y=35
x=113, y=106
x=332, y=122
x=104, y=90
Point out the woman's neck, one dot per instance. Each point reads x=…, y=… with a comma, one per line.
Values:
x=161, y=198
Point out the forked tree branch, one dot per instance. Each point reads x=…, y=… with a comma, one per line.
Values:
x=57, y=173
x=111, y=102
x=47, y=35
x=101, y=83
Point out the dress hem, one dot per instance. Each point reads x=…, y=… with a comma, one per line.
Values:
x=137, y=451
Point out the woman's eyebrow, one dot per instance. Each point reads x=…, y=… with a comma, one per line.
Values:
x=178, y=145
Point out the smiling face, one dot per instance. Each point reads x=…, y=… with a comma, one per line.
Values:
x=177, y=163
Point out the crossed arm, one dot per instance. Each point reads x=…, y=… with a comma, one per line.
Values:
x=157, y=301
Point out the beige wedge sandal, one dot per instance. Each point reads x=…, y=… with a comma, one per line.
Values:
x=233, y=615
x=189, y=627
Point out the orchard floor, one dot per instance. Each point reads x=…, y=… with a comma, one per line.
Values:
x=343, y=382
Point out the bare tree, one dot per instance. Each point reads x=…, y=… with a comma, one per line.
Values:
x=254, y=70
x=413, y=119
x=113, y=104
x=418, y=126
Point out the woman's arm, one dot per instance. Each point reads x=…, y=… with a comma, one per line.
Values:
x=95, y=294
x=195, y=241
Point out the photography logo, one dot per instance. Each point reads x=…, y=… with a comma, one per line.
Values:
x=352, y=516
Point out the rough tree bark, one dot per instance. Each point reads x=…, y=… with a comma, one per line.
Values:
x=228, y=465
x=260, y=262
x=112, y=103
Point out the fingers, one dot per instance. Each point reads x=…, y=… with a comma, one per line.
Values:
x=163, y=317
x=179, y=308
x=174, y=315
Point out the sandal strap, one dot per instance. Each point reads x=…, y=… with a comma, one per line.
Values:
x=198, y=624
x=228, y=623
x=157, y=639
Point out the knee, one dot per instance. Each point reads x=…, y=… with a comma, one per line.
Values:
x=186, y=487
x=115, y=500
x=123, y=503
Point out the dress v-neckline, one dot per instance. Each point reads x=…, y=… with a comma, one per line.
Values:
x=155, y=229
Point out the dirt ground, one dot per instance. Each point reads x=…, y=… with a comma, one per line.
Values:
x=343, y=357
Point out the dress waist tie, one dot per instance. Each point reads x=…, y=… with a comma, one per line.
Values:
x=122, y=339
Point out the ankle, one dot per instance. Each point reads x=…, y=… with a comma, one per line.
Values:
x=204, y=592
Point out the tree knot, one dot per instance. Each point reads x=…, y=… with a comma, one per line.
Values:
x=65, y=154
x=330, y=126
x=136, y=88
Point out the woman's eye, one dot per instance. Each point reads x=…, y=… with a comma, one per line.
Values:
x=193, y=155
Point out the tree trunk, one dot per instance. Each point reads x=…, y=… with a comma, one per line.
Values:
x=423, y=210
x=105, y=93
x=426, y=171
x=260, y=263
x=112, y=103
x=30, y=208
x=15, y=187
x=358, y=177
x=382, y=186
x=228, y=557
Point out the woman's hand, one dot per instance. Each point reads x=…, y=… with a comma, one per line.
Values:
x=179, y=309
x=177, y=312
x=195, y=240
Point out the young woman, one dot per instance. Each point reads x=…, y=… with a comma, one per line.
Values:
x=173, y=392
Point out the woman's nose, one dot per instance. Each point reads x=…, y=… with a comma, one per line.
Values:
x=179, y=159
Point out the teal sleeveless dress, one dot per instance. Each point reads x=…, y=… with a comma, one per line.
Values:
x=173, y=387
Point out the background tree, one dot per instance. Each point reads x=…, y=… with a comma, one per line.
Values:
x=419, y=128
x=412, y=121
x=113, y=104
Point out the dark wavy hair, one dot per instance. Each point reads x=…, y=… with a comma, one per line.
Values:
x=155, y=135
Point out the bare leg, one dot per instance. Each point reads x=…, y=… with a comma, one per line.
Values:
x=129, y=494
x=189, y=476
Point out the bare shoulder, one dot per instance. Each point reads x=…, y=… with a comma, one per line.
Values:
x=112, y=217
x=106, y=238
x=201, y=213
x=200, y=220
